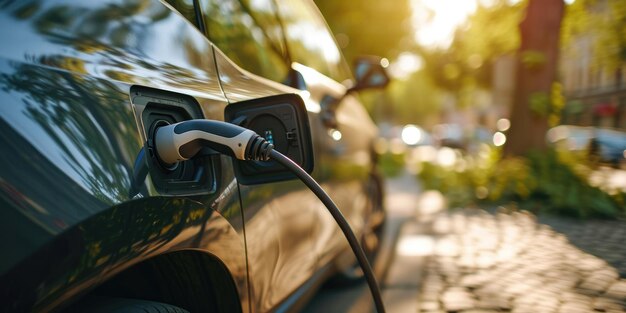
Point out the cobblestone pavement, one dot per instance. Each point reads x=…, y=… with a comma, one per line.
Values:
x=471, y=261
x=604, y=239
x=482, y=262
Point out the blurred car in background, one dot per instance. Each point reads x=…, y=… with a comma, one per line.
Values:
x=450, y=135
x=603, y=145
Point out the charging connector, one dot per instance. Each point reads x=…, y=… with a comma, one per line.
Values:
x=184, y=140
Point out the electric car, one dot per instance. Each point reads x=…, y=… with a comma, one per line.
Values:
x=91, y=222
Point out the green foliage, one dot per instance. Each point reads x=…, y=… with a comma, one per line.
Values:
x=557, y=101
x=391, y=164
x=533, y=59
x=610, y=47
x=457, y=187
x=539, y=103
x=550, y=182
x=512, y=179
x=567, y=192
x=604, y=22
x=492, y=31
x=415, y=100
x=369, y=27
x=383, y=28
x=467, y=181
x=548, y=106
x=575, y=21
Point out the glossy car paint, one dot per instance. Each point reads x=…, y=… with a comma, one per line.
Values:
x=70, y=135
x=290, y=235
x=69, y=138
x=279, y=228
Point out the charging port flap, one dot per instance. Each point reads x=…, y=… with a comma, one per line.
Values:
x=282, y=120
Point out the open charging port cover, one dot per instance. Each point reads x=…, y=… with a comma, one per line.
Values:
x=281, y=120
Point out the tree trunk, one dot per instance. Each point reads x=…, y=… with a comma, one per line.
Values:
x=537, y=63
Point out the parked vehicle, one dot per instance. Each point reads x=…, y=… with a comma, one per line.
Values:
x=602, y=144
x=83, y=85
x=450, y=135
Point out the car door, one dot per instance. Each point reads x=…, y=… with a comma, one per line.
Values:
x=346, y=131
x=73, y=75
x=279, y=217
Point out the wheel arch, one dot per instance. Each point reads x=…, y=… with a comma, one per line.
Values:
x=124, y=241
x=191, y=279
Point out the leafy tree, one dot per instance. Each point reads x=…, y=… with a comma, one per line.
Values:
x=536, y=74
x=602, y=21
x=611, y=45
x=369, y=27
x=415, y=100
x=467, y=64
x=532, y=34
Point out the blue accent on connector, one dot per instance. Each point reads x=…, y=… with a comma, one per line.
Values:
x=269, y=137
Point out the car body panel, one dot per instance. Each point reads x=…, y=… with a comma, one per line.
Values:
x=71, y=134
x=280, y=243
x=70, y=137
x=288, y=233
x=343, y=164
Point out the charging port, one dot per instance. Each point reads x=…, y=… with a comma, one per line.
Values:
x=157, y=108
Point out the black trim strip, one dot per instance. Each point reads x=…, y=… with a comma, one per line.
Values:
x=199, y=19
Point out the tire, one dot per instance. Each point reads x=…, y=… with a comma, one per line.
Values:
x=97, y=304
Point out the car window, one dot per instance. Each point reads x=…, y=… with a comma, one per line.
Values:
x=248, y=33
x=309, y=40
x=185, y=8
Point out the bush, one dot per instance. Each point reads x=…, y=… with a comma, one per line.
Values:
x=391, y=164
x=562, y=184
x=548, y=182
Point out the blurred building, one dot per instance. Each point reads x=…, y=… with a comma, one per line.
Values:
x=595, y=95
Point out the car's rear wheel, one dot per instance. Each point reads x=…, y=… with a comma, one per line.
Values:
x=98, y=304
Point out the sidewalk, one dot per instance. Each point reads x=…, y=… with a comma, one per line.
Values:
x=402, y=196
x=604, y=239
x=474, y=261
x=401, y=285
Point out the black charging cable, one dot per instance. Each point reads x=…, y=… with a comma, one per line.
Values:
x=341, y=221
x=182, y=141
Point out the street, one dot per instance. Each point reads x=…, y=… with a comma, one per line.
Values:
x=475, y=260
